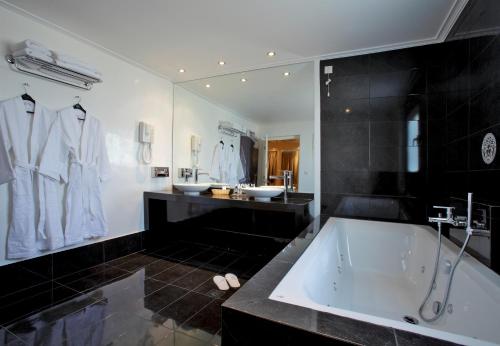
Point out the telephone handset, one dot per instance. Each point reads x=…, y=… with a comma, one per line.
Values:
x=146, y=132
x=146, y=137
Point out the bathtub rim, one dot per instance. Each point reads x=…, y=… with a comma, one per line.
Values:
x=469, y=264
x=253, y=299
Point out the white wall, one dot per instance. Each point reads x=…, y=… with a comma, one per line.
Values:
x=304, y=129
x=128, y=95
x=194, y=115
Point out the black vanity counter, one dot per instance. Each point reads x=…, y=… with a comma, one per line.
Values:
x=207, y=215
x=249, y=317
x=295, y=201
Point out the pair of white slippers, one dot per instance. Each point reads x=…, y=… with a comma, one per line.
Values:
x=223, y=282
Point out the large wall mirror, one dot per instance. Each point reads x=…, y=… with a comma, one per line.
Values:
x=255, y=124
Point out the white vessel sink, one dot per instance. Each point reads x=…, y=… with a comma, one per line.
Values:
x=192, y=189
x=263, y=193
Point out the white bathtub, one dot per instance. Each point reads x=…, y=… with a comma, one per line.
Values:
x=379, y=272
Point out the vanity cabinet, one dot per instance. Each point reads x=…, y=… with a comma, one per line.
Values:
x=226, y=220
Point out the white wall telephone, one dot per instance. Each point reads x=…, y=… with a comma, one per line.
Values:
x=146, y=137
x=146, y=132
x=195, y=143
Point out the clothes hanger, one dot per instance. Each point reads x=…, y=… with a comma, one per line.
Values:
x=79, y=107
x=27, y=97
x=221, y=142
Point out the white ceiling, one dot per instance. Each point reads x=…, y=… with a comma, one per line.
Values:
x=165, y=35
x=267, y=96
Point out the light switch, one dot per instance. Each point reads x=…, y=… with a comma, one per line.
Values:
x=159, y=172
x=328, y=69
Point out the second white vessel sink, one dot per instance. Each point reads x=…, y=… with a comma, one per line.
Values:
x=263, y=193
x=192, y=189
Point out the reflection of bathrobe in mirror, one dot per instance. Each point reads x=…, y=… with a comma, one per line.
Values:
x=35, y=214
x=217, y=167
x=226, y=165
x=233, y=168
x=76, y=153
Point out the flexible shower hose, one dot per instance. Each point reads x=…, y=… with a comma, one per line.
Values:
x=442, y=307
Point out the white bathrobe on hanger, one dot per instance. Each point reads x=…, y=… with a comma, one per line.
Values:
x=217, y=167
x=76, y=153
x=233, y=168
x=35, y=221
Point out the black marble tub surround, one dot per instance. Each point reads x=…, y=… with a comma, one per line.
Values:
x=174, y=213
x=163, y=296
x=285, y=324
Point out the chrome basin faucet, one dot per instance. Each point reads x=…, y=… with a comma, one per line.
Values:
x=287, y=182
x=197, y=173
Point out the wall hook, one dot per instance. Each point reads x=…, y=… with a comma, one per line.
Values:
x=26, y=86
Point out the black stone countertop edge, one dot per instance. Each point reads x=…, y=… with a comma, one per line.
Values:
x=298, y=200
x=252, y=298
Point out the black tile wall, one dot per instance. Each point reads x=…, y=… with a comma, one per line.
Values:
x=403, y=130
x=33, y=276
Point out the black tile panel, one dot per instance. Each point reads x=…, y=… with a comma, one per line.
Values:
x=122, y=246
x=67, y=262
x=397, y=60
x=398, y=108
x=19, y=278
x=345, y=110
x=205, y=324
x=485, y=109
x=399, y=83
x=35, y=300
x=485, y=68
x=122, y=307
x=350, y=87
x=175, y=314
x=346, y=133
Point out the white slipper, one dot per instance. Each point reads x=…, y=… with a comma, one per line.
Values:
x=232, y=280
x=221, y=283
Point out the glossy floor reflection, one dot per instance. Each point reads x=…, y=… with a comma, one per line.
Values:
x=165, y=297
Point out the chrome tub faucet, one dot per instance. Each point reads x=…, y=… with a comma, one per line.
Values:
x=462, y=221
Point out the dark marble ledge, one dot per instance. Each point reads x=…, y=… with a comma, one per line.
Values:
x=252, y=299
x=295, y=200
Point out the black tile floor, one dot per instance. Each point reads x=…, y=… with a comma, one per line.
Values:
x=162, y=297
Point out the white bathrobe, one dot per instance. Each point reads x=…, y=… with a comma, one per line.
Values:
x=35, y=220
x=76, y=153
x=217, y=167
x=233, y=168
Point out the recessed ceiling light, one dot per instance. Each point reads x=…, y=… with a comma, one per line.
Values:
x=271, y=53
x=347, y=110
x=286, y=74
x=243, y=80
x=207, y=85
x=181, y=70
x=222, y=63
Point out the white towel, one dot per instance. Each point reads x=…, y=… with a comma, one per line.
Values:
x=66, y=59
x=80, y=69
x=33, y=53
x=33, y=45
